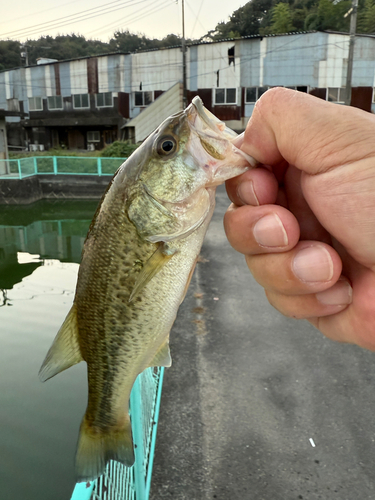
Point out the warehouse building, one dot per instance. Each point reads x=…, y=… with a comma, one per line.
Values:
x=89, y=102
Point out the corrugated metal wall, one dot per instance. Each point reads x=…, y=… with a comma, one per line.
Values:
x=314, y=60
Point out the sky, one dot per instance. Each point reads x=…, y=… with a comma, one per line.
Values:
x=98, y=19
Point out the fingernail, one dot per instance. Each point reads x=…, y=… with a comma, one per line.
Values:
x=270, y=232
x=246, y=193
x=239, y=140
x=313, y=264
x=340, y=294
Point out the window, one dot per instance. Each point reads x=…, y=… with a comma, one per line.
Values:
x=35, y=104
x=143, y=98
x=93, y=136
x=55, y=102
x=81, y=101
x=231, y=56
x=336, y=94
x=252, y=94
x=225, y=96
x=104, y=99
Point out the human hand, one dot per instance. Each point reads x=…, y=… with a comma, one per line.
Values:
x=305, y=219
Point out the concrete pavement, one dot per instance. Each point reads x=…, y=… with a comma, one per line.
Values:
x=250, y=393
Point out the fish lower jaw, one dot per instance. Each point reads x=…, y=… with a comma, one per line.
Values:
x=223, y=174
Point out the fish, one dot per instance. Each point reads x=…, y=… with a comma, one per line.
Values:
x=137, y=262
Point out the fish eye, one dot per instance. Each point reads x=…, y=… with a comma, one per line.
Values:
x=166, y=146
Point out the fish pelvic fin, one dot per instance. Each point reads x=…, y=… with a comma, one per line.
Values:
x=65, y=351
x=97, y=446
x=154, y=264
x=162, y=356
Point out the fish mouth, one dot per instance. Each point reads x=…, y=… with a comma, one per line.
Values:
x=209, y=119
x=217, y=140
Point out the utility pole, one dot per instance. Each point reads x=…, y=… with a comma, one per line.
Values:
x=24, y=54
x=353, y=26
x=183, y=46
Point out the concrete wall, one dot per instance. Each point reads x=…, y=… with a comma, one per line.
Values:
x=31, y=189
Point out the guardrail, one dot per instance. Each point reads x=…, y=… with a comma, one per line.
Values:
x=132, y=483
x=58, y=165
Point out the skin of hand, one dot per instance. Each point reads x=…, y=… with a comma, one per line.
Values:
x=305, y=218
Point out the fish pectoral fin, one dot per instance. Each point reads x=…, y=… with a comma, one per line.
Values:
x=154, y=264
x=162, y=356
x=64, y=351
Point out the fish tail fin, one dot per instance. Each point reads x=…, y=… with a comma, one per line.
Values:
x=97, y=446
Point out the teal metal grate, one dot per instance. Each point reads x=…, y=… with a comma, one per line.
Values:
x=132, y=483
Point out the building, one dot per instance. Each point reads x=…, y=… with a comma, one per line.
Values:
x=88, y=102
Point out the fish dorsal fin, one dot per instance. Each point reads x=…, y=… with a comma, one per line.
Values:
x=154, y=264
x=162, y=356
x=65, y=351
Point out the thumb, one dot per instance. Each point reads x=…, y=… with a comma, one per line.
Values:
x=333, y=146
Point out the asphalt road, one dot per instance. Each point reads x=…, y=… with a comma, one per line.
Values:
x=258, y=406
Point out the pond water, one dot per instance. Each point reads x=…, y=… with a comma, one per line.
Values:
x=40, y=248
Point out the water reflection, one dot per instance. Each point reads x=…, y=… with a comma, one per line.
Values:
x=40, y=248
x=49, y=230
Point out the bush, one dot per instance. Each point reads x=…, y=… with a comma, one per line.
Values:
x=118, y=149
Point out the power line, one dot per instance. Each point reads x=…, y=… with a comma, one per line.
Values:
x=40, y=12
x=61, y=18
x=132, y=20
x=197, y=18
x=72, y=18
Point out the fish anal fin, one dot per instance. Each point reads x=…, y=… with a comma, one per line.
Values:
x=162, y=356
x=154, y=264
x=97, y=446
x=64, y=351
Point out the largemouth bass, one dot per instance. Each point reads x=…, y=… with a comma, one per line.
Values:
x=137, y=262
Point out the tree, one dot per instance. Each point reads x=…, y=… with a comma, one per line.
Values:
x=170, y=40
x=328, y=16
x=10, y=54
x=281, y=19
x=366, y=18
x=244, y=21
x=64, y=47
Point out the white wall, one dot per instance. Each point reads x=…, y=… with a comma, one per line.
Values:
x=213, y=58
x=157, y=70
x=332, y=71
x=78, y=77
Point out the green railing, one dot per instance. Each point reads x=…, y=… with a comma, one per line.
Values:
x=58, y=165
x=132, y=483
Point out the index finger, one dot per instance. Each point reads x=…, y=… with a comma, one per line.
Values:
x=307, y=132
